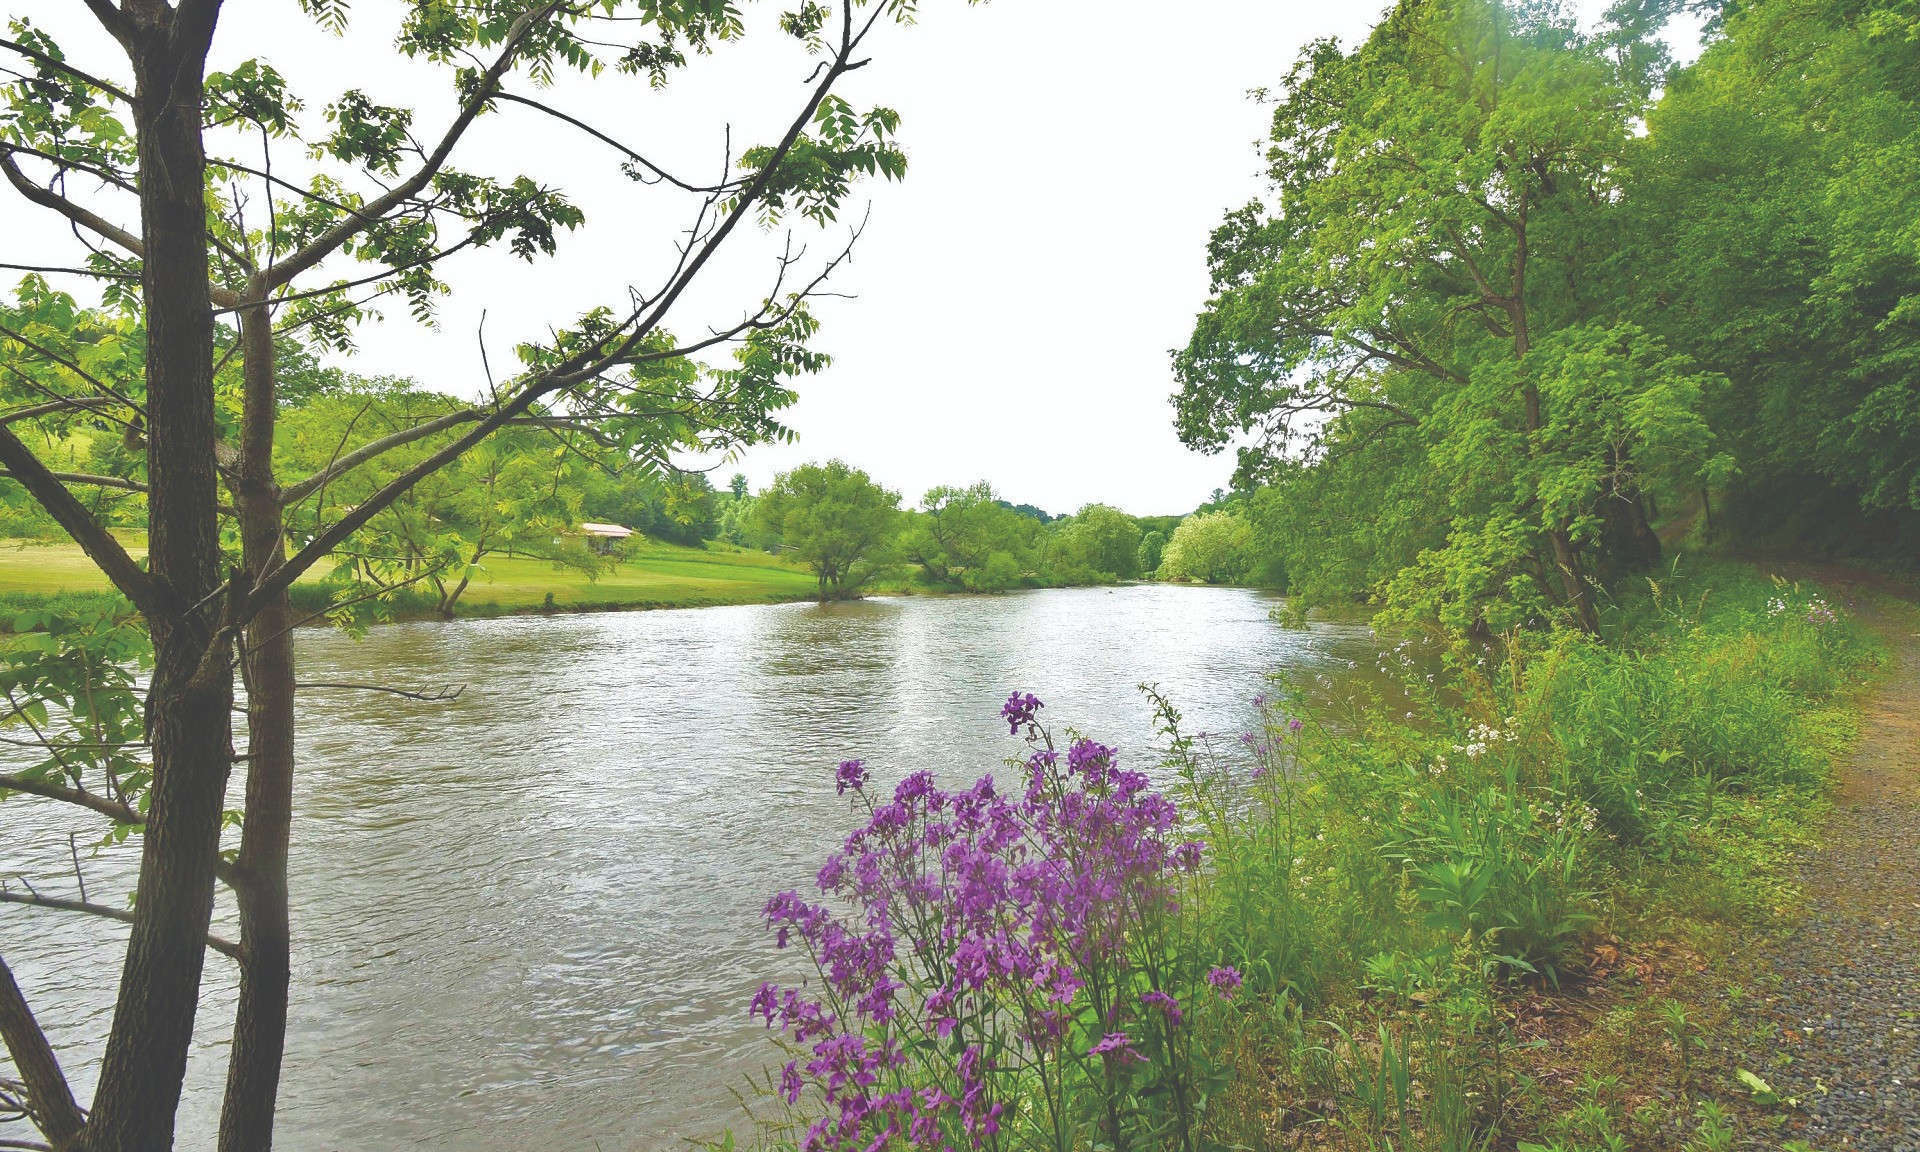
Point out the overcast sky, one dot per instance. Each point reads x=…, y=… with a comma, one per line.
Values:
x=1015, y=298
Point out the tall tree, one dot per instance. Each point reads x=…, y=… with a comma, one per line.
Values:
x=959, y=529
x=1415, y=290
x=234, y=250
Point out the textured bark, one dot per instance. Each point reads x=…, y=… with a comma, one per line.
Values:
x=260, y=872
x=188, y=709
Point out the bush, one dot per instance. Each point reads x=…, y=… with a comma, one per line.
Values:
x=1003, y=971
x=999, y=573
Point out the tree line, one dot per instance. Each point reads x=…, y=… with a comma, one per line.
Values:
x=852, y=531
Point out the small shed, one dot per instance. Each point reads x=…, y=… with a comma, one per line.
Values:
x=604, y=538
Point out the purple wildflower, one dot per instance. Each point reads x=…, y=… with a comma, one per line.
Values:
x=969, y=912
x=1225, y=980
x=1019, y=711
x=1165, y=1003
x=852, y=774
x=1117, y=1044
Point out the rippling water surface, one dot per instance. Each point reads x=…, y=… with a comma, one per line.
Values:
x=528, y=918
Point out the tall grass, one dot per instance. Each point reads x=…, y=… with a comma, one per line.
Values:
x=1398, y=880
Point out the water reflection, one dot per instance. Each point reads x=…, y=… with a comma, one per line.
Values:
x=528, y=917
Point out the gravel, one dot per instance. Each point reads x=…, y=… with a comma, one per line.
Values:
x=1847, y=1011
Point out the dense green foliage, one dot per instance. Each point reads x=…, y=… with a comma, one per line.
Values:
x=834, y=519
x=1208, y=547
x=1485, y=332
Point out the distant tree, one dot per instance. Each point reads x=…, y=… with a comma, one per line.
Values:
x=836, y=520
x=737, y=485
x=1151, y=546
x=1097, y=540
x=511, y=495
x=959, y=529
x=998, y=574
x=1030, y=512
x=741, y=525
x=1210, y=547
x=674, y=506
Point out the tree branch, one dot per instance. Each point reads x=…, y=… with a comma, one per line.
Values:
x=106, y=806
x=55, y=1112
x=219, y=944
x=483, y=92
x=294, y=493
x=614, y=144
x=89, y=533
x=47, y=198
x=85, y=218
x=59, y=65
x=431, y=695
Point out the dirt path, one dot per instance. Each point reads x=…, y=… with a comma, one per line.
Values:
x=1848, y=1006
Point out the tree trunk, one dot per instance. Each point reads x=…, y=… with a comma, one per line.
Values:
x=260, y=872
x=1579, y=594
x=189, y=705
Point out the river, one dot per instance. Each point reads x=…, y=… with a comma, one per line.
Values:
x=529, y=917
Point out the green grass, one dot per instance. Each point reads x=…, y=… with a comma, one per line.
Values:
x=651, y=575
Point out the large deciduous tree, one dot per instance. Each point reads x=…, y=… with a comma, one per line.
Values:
x=1415, y=295
x=224, y=219
x=833, y=518
x=959, y=529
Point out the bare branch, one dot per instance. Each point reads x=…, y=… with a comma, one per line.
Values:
x=55, y=1112
x=69, y=270
x=33, y=411
x=624, y=150
x=431, y=695
x=219, y=944
x=48, y=198
x=85, y=218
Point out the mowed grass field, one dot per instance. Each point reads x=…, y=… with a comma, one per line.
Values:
x=651, y=575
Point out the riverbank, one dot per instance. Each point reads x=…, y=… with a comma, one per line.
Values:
x=1552, y=930
x=650, y=575
x=1512, y=905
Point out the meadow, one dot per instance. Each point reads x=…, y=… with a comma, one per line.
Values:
x=650, y=574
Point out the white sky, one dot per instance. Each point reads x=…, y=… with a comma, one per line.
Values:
x=1016, y=296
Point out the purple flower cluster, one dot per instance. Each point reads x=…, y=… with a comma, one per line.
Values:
x=1019, y=712
x=967, y=939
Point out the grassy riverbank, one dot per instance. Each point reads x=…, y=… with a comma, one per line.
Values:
x=651, y=575
x=1488, y=922
x=1505, y=910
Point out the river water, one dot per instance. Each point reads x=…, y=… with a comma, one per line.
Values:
x=528, y=918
